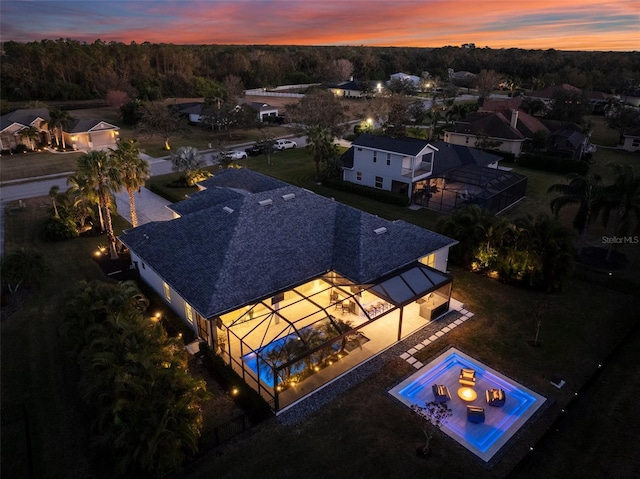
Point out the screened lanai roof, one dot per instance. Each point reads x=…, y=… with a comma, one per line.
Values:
x=410, y=284
x=491, y=180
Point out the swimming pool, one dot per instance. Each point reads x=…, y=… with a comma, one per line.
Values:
x=501, y=423
x=256, y=362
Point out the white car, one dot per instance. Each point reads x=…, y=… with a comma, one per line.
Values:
x=284, y=145
x=235, y=154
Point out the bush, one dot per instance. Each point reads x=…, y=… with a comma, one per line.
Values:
x=247, y=398
x=367, y=191
x=554, y=164
x=59, y=229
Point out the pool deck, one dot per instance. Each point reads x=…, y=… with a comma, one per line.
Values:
x=500, y=424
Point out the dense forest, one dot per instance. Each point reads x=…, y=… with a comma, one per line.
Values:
x=65, y=69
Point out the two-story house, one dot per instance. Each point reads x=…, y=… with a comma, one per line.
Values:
x=436, y=175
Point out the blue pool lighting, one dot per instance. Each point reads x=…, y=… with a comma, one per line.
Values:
x=483, y=439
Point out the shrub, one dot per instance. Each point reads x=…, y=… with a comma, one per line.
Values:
x=59, y=229
x=376, y=194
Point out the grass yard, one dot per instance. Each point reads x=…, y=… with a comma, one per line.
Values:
x=29, y=165
x=603, y=135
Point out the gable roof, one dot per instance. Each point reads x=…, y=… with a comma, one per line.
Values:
x=219, y=259
x=404, y=145
x=495, y=125
x=23, y=117
x=83, y=126
x=550, y=91
x=260, y=106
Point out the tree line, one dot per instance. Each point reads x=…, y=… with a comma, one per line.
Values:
x=64, y=69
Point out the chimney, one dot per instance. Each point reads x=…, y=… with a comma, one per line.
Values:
x=514, y=119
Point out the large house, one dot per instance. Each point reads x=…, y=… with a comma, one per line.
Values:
x=79, y=134
x=435, y=175
x=348, y=89
x=193, y=110
x=597, y=100
x=287, y=285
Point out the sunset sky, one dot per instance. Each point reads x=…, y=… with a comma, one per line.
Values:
x=542, y=24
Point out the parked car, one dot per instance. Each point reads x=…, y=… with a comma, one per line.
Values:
x=234, y=155
x=253, y=150
x=284, y=145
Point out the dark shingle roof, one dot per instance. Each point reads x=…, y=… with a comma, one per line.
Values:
x=495, y=125
x=23, y=117
x=203, y=199
x=243, y=179
x=219, y=260
x=404, y=145
x=81, y=126
x=451, y=156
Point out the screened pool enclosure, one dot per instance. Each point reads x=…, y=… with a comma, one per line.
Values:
x=287, y=345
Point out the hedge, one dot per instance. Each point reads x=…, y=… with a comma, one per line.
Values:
x=555, y=165
x=367, y=191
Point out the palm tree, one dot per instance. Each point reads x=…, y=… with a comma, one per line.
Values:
x=53, y=194
x=30, y=133
x=587, y=192
x=623, y=199
x=22, y=266
x=84, y=199
x=134, y=172
x=101, y=174
x=551, y=248
x=469, y=226
x=320, y=144
x=58, y=121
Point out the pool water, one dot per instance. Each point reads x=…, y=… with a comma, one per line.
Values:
x=484, y=439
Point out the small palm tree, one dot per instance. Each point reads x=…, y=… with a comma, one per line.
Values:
x=53, y=194
x=134, y=172
x=22, y=266
x=58, y=121
x=587, y=193
x=31, y=134
x=84, y=199
x=320, y=144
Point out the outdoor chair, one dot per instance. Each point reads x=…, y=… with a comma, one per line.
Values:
x=440, y=393
x=467, y=377
x=475, y=414
x=495, y=397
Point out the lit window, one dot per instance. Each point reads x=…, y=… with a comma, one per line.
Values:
x=188, y=311
x=379, y=181
x=167, y=292
x=429, y=260
x=359, y=175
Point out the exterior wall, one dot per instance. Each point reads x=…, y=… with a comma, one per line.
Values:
x=631, y=143
x=440, y=260
x=339, y=92
x=363, y=163
x=469, y=140
x=98, y=140
x=265, y=113
x=149, y=276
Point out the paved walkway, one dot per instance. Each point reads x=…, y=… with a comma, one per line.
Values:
x=149, y=206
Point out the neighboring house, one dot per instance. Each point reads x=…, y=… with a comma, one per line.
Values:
x=13, y=123
x=461, y=76
x=631, y=140
x=252, y=263
x=193, y=110
x=566, y=139
x=497, y=129
x=264, y=110
x=91, y=135
x=79, y=134
x=405, y=77
x=597, y=99
x=348, y=89
x=419, y=170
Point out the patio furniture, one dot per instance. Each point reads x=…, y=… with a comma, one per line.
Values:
x=475, y=414
x=495, y=397
x=440, y=393
x=346, y=306
x=467, y=377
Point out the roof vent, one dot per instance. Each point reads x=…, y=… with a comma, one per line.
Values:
x=227, y=210
x=380, y=231
x=288, y=196
x=265, y=202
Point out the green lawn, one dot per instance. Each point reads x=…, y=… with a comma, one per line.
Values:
x=29, y=165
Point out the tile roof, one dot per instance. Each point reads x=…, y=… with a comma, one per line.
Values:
x=236, y=252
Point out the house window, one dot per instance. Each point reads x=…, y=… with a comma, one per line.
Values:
x=466, y=139
x=359, y=149
x=188, y=312
x=143, y=267
x=388, y=159
x=379, y=181
x=429, y=260
x=375, y=156
x=359, y=175
x=167, y=292
x=636, y=142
